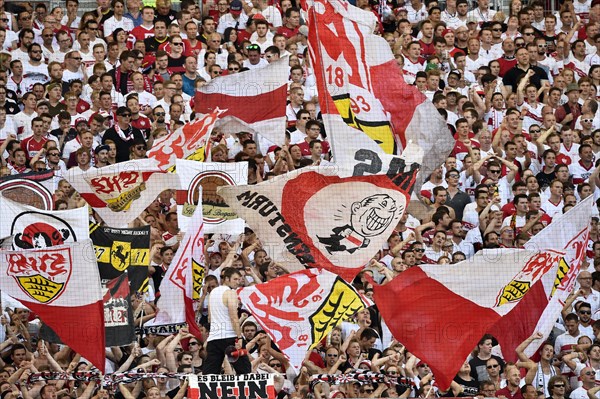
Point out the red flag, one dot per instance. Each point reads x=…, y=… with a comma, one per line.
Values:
x=257, y=98
x=61, y=285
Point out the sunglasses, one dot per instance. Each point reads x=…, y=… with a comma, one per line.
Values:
x=126, y=115
x=177, y=44
x=589, y=373
x=140, y=147
x=332, y=355
x=494, y=171
x=369, y=390
x=528, y=33
x=50, y=35
x=253, y=47
x=497, y=30
x=453, y=176
x=559, y=385
x=587, y=120
x=54, y=154
x=76, y=58
x=492, y=366
x=419, y=250
x=535, y=131
x=585, y=311
x=233, y=69
x=160, y=114
x=276, y=365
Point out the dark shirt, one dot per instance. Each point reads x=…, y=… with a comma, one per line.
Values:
x=514, y=75
x=123, y=145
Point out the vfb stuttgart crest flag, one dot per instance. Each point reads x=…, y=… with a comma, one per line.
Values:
x=317, y=219
x=61, y=284
x=298, y=310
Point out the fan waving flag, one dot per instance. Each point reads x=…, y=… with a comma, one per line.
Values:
x=317, y=219
x=256, y=98
x=60, y=284
x=298, y=310
x=459, y=303
x=357, y=70
x=120, y=192
x=183, y=281
x=191, y=140
x=504, y=292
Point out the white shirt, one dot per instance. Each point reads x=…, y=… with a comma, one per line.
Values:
x=261, y=64
x=112, y=24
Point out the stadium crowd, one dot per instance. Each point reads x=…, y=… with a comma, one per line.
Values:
x=519, y=91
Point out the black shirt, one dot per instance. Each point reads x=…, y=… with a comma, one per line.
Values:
x=123, y=145
x=514, y=75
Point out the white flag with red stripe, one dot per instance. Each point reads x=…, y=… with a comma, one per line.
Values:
x=258, y=98
x=498, y=291
x=62, y=286
x=359, y=79
x=192, y=141
x=183, y=280
x=120, y=192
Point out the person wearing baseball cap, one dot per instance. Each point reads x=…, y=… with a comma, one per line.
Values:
x=235, y=18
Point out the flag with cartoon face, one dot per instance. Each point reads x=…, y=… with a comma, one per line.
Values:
x=314, y=218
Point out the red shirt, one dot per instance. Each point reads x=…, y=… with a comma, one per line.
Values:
x=287, y=32
x=32, y=147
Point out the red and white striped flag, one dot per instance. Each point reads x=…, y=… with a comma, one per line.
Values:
x=257, y=98
x=61, y=285
x=504, y=292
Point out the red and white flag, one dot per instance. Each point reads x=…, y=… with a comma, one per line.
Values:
x=357, y=70
x=199, y=182
x=62, y=286
x=490, y=293
x=543, y=305
x=316, y=219
x=193, y=139
x=120, y=192
x=298, y=310
x=183, y=280
x=35, y=228
x=257, y=98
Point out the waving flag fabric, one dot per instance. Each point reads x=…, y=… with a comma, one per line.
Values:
x=183, y=281
x=35, y=228
x=60, y=284
x=540, y=309
x=257, y=98
x=356, y=71
x=504, y=292
x=191, y=140
x=199, y=183
x=316, y=219
x=33, y=188
x=120, y=192
x=298, y=310
x=120, y=251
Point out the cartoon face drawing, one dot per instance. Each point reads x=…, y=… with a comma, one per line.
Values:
x=371, y=216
